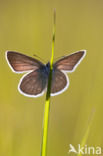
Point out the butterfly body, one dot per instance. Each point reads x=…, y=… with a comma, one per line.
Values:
x=46, y=69
x=35, y=81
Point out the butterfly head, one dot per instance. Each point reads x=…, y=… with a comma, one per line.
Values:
x=47, y=67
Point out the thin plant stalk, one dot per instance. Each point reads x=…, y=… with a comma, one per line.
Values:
x=47, y=101
x=86, y=134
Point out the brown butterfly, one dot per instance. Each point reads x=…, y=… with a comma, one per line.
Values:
x=34, y=82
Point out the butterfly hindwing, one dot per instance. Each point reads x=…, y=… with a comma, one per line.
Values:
x=59, y=82
x=33, y=84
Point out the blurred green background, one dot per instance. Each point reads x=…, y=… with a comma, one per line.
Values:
x=26, y=26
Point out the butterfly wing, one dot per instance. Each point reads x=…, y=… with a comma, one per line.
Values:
x=70, y=62
x=60, y=82
x=21, y=63
x=33, y=84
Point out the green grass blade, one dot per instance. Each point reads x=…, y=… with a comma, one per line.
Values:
x=86, y=135
x=47, y=102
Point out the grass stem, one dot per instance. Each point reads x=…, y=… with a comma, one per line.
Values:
x=47, y=102
x=86, y=134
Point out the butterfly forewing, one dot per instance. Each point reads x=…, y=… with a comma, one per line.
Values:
x=70, y=62
x=21, y=63
x=33, y=84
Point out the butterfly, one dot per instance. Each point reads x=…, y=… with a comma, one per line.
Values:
x=35, y=81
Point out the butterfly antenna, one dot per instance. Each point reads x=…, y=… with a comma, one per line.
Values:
x=59, y=58
x=39, y=57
